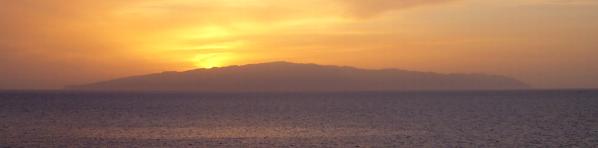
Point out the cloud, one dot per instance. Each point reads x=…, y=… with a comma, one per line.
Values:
x=567, y=2
x=369, y=8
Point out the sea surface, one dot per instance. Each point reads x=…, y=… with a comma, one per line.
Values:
x=539, y=118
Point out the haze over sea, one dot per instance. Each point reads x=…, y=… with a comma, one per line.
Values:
x=535, y=118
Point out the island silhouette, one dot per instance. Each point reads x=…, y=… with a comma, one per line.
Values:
x=297, y=77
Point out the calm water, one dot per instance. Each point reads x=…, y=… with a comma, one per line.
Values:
x=408, y=119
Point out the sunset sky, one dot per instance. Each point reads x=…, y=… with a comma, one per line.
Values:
x=51, y=43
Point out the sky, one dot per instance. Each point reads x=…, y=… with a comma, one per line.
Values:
x=47, y=44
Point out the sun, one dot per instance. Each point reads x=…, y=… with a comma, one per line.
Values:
x=211, y=60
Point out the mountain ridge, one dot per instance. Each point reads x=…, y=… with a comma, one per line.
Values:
x=287, y=76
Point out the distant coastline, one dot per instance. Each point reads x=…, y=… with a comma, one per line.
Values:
x=294, y=77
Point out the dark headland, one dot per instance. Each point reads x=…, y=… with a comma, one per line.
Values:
x=285, y=76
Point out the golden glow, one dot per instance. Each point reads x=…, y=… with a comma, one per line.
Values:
x=209, y=32
x=212, y=60
x=223, y=45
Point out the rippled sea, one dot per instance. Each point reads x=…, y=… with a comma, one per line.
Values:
x=549, y=118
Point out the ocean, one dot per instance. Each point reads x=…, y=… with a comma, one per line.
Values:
x=535, y=118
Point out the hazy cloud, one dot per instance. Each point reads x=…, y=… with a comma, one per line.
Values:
x=367, y=8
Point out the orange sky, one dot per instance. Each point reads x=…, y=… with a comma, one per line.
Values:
x=52, y=43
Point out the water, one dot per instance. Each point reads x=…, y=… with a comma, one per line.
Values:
x=377, y=119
